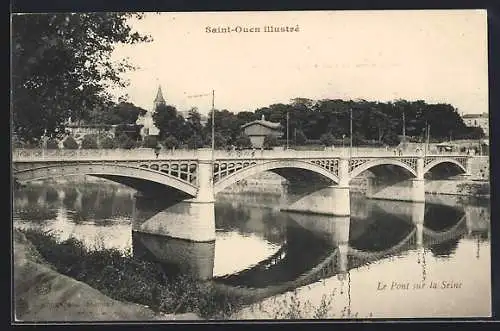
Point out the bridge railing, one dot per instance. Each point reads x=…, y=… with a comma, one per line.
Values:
x=20, y=155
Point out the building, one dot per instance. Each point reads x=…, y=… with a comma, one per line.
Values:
x=146, y=121
x=478, y=120
x=259, y=129
x=185, y=115
x=78, y=131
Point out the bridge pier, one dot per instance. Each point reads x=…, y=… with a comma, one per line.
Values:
x=192, y=219
x=412, y=190
x=191, y=258
x=417, y=217
x=332, y=200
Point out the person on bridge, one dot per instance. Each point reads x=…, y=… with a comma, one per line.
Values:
x=157, y=150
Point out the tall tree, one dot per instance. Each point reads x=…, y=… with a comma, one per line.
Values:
x=62, y=67
x=169, y=122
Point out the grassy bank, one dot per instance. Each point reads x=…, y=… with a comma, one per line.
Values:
x=125, y=278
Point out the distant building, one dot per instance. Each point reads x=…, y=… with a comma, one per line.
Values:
x=78, y=131
x=185, y=115
x=146, y=121
x=478, y=120
x=259, y=129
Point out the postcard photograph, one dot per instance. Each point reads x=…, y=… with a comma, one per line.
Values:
x=203, y=166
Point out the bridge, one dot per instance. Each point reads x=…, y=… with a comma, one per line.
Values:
x=184, y=183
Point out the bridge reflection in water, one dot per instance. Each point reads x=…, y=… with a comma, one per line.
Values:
x=315, y=247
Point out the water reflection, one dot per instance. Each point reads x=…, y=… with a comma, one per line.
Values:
x=260, y=252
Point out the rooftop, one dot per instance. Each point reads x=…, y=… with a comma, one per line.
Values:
x=483, y=115
x=159, y=96
x=263, y=122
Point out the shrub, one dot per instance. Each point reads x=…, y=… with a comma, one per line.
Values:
x=243, y=141
x=300, y=137
x=52, y=144
x=70, y=143
x=124, y=141
x=195, y=141
x=327, y=139
x=270, y=141
x=150, y=142
x=171, y=142
x=89, y=141
x=108, y=142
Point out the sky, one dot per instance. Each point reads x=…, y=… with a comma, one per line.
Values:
x=432, y=55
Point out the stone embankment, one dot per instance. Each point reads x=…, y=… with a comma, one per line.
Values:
x=41, y=294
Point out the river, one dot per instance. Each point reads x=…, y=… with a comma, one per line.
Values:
x=388, y=260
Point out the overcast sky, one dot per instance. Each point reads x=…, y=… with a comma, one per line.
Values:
x=436, y=56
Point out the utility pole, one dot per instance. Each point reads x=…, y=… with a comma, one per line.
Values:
x=428, y=130
x=213, y=119
x=404, y=128
x=287, y=128
x=213, y=126
x=350, y=130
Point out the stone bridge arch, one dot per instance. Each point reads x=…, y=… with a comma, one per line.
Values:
x=460, y=164
x=356, y=167
x=256, y=168
x=132, y=176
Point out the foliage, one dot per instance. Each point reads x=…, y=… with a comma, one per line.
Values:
x=243, y=141
x=171, y=142
x=127, y=278
x=107, y=142
x=221, y=141
x=169, y=122
x=270, y=141
x=70, y=143
x=150, y=142
x=89, y=141
x=124, y=141
x=300, y=137
x=327, y=139
x=122, y=113
x=62, y=67
x=195, y=142
x=52, y=144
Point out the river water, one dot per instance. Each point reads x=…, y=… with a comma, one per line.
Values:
x=388, y=260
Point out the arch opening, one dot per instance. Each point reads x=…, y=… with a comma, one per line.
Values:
x=443, y=170
x=299, y=174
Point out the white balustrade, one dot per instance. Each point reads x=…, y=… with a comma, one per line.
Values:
x=30, y=155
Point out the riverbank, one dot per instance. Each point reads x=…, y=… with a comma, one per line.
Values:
x=43, y=294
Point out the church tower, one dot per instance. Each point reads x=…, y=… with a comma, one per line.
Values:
x=159, y=99
x=148, y=126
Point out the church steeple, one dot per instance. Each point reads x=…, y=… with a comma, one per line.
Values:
x=159, y=97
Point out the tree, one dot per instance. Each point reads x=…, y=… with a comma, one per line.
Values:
x=327, y=139
x=169, y=122
x=70, y=143
x=195, y=142
x=107, y=142
x=89, y=141
x=171, y=142
x=52, y=144
x=122, y=113
x=150, y=142
x=270, y=141
x=124, y=141
x=300, y=137
x=243, y=141
x=194, y=122
x=62, y=67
